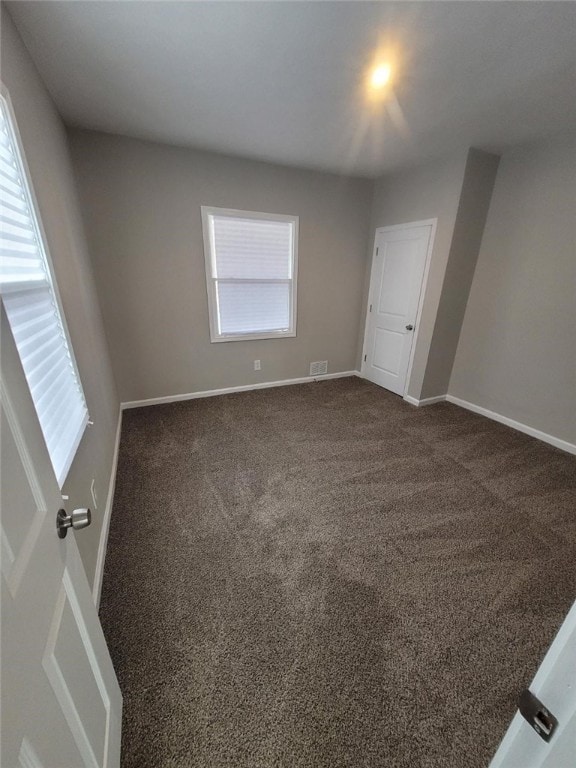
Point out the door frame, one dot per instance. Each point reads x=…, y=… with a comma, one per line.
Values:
x=432, y=223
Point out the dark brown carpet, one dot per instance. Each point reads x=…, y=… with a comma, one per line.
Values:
x=322, y=575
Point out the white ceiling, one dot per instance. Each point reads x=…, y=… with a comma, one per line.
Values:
x=282, y=81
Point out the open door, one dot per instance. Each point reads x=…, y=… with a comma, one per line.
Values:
x=61, y=704
x=555, y=687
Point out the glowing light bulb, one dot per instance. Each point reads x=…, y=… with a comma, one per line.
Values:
x=380, y=76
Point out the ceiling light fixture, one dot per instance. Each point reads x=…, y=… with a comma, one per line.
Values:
x=380, y=76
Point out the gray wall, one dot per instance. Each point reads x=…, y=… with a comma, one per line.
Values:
x=46, y=150
x=517, y=350
x=427, y=192
x=475, y=195
x=141, y=203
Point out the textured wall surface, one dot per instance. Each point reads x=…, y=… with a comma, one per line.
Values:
x=142, y=211
x=516, y=354
x=479, y=177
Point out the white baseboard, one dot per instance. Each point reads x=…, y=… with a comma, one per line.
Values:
x=564, y=445
x=99, y=573
x=229, y=390
x=424, y=401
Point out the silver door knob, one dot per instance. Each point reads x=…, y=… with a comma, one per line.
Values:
x=409, y=327
x=80, y=518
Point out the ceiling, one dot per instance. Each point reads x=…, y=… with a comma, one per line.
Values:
x=283, y=81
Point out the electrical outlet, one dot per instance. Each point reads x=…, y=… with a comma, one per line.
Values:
x=257, y=366
x=93, y=492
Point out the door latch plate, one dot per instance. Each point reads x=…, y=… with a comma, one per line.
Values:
x=537, y=715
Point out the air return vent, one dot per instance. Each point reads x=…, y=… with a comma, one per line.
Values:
x=318, y=368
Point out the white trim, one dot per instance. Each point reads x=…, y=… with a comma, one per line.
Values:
x=564, y=445
x=407, y=225
x=425, y=401
x=423, y=287
x=432, y=223
x=207, y=212
x=99, y=572
x=229, y=390
x=254, y=336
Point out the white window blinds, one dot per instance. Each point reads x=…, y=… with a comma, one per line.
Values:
x=33, y=311
x=251, y=274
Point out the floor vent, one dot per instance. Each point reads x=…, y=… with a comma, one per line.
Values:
x=318, y=368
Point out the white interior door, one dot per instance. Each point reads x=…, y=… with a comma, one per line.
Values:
x=398, y=266
x=61, y=704
x=555, y=686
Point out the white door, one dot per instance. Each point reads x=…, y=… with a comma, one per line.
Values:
x=555, y=686
x=61, y=704
x=399, y=261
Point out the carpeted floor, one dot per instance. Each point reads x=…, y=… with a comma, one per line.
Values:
x=321, y=575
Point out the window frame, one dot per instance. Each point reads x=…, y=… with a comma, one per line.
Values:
x=44, y=247
x=211, y=281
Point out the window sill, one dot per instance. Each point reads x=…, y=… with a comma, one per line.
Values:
x=252, y=336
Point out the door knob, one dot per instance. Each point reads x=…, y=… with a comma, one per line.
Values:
x=409, y=327
x=80, y=518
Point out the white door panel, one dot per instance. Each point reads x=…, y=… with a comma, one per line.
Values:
x=555, y=686
x=387, y=351
x=399, y=260
x=61, y=705
x=395, y=286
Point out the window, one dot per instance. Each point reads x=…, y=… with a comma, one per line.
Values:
x=30, y=298
x=251, y=264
